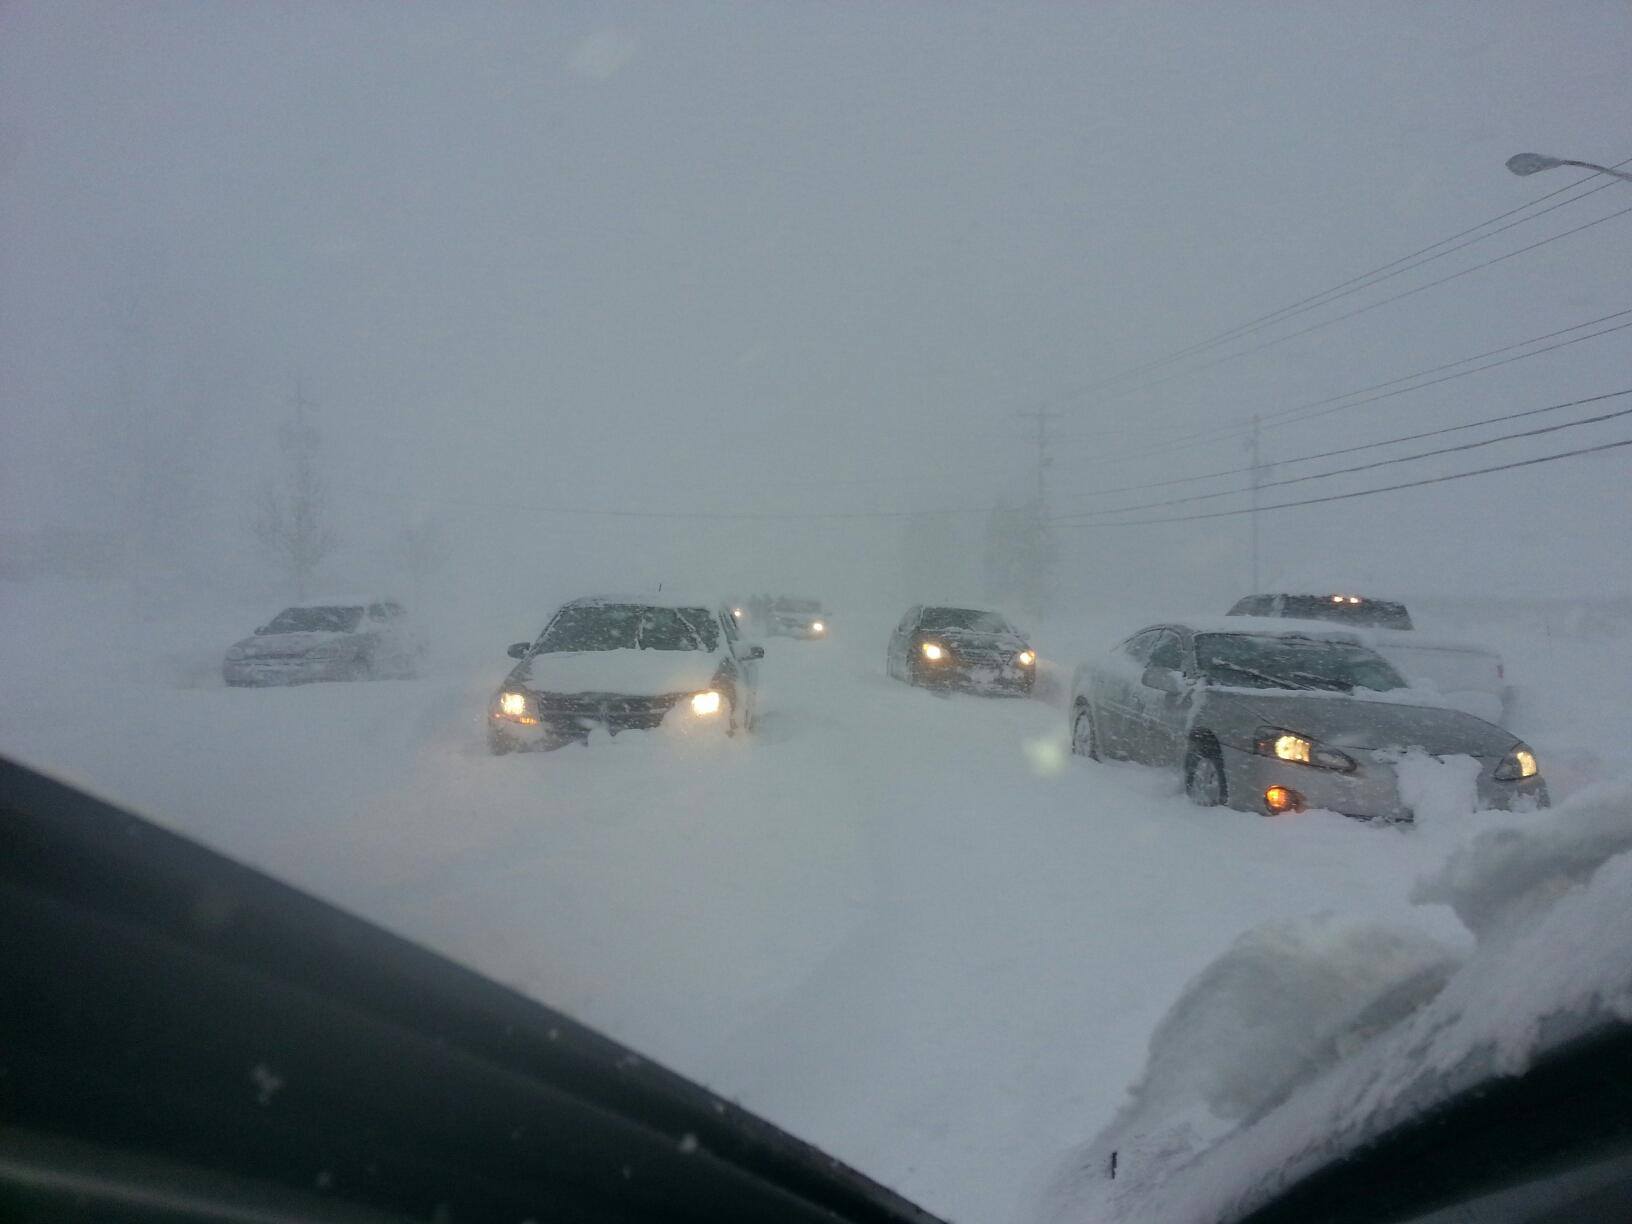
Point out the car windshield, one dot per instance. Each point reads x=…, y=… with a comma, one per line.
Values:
x=315, y=620
x=1347, y=610
x=629, y=627
x=562, y=331
x=1279, y=662
x=970, y=619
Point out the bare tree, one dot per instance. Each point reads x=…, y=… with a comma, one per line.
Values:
x=293, y=522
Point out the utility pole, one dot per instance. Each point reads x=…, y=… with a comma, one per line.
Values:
x=1042, y=416
x=1257, y=481
x=1042, y=559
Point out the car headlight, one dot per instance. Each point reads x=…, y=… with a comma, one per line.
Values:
x=705, y=703
x=817, y=627
x=515, y=707
x=1026, y=658
x=933, y=651
x=1301, y=750
x=1517, y=765
x=234, y=653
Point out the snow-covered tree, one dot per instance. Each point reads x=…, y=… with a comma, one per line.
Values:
x=293, y=523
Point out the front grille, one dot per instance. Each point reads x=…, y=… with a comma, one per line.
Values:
x=573, y=715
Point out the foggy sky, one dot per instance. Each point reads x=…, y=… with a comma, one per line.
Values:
x=789, y=259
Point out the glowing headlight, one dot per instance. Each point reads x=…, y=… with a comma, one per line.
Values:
x=1291, y=748
x=817, y=627
x=513, y=706
x=1287, y=746
x=705, y=703
x=933, y=652
x=1517, y=765
x=737, y=612
x=1026, y=658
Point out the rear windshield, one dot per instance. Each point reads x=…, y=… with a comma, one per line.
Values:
x=963, y=618
x=1377, y=613
x=629, y=627
x=315, y=620
x=1243, y=660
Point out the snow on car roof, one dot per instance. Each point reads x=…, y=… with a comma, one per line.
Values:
x=661, y=600
x=1365, y=635
x=351, y=600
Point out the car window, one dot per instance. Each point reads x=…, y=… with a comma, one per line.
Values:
x=629, y=627
x=1139, y=646
x=1270, y=661
x=316, y=620
x=971, y=619
x=1167, y=652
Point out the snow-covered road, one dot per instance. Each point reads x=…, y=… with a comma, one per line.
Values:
x=909, y=928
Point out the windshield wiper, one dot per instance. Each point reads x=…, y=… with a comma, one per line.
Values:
x=1330, y=683
x=1271, y=681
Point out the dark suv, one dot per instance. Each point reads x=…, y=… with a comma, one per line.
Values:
x=966, y=648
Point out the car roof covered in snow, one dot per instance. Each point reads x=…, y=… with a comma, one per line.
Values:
x=661, y=600
x=351, y=600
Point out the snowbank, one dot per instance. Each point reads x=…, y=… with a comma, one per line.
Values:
x=1306, y=1039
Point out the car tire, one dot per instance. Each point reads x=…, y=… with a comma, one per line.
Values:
x=1204, y=776
x=1084, y=735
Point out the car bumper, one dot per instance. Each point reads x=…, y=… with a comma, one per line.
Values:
x=975, y=678
x=1370, y=793
x=575, y=723
x=261, y=673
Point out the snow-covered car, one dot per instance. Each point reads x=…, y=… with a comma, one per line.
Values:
x=626, y=664
x=1270, y=718
x=965, y=648
x=1466, y=676
x=797, y=618
x=338, y=639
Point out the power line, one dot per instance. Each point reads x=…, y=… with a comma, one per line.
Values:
x=1327, y=295
x=1223, y=432
x=1333, y=497
x=1366, y=467
x=1236, y=471
x=1370, y=306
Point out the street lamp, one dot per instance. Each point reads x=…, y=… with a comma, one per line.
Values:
x=1529, y=163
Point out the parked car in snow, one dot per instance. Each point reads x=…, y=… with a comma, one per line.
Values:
x=1267, y=717
x=966, y=648
x=1466, y=676
x=626, y=664
x=337, y=639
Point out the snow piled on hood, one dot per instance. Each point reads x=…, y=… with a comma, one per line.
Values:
x=634, y=673
x=1307, y=1038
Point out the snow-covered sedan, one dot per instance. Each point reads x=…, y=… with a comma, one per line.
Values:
x=1262, y=716
x=344, y=639
x=964, y=648
x=626, y=664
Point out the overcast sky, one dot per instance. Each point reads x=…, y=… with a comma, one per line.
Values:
x=789, y=258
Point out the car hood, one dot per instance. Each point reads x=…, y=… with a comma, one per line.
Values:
x=633, y=673
x=1355, y=722
x=287, y=645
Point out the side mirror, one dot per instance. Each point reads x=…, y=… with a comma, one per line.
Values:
x=518, y=650
x=1162, y=679
x=751, y=650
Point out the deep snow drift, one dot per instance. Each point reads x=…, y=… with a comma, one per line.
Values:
x=911, y=929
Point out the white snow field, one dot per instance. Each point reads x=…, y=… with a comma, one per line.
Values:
x=910, y=929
